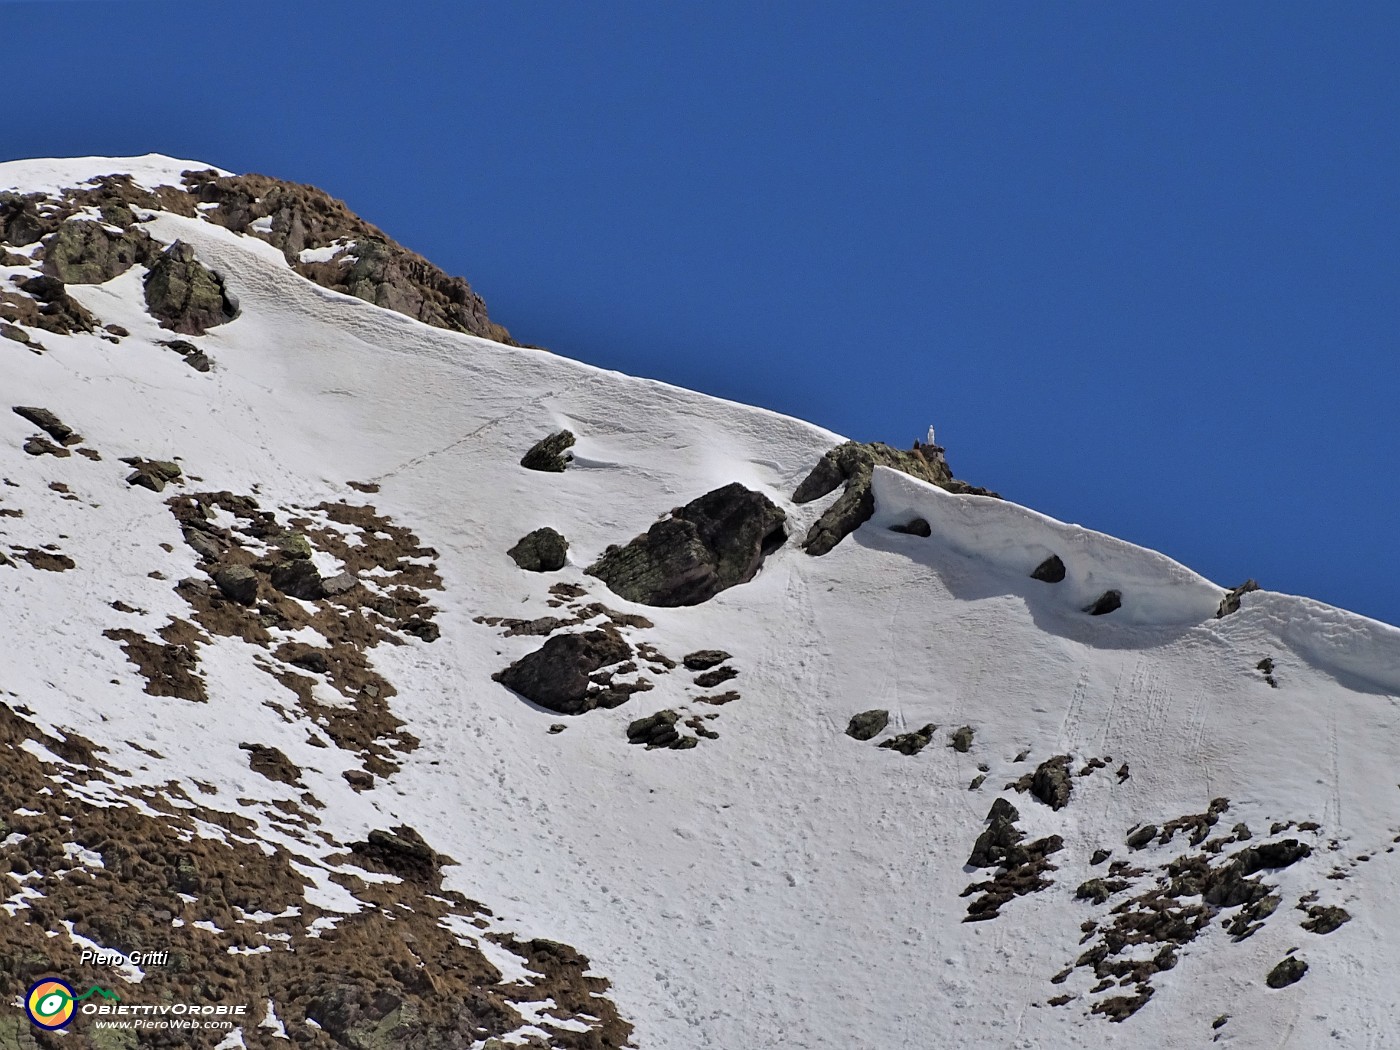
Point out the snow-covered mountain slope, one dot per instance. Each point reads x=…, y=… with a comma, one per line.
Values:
x=249, y=682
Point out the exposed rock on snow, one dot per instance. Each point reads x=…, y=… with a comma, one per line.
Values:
x=911, y=743
x=543, y=550
x=1051, y=570
x=852, y=464
x=712, y=543
x=557, y=675
x=1231, y=602
x=550, y=454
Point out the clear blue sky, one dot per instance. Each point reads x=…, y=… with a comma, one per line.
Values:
x=1136, y=261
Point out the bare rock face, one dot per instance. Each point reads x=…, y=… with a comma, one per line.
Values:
x=46, y=304
x=184, y=296
x=556, y=675
x=853, y=463
x=373, y=267
x=712, y=543
x=1231, y=602
x=85, y=252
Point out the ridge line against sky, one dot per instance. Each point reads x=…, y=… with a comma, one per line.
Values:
x=1136, y=265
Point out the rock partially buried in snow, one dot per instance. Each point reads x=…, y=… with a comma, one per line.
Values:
x=1106, y=603
x=1289, y=971
x=1051, y=570
x=49, y=423
x=712, y=543
x=868, y=724
x=704, y=659
x=911, y=743
x=916, y=527
x=550, y=454
x=237, y=583
x=556, y=675
x=543, y=550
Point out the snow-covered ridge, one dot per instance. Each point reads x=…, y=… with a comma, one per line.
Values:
x=54, y=175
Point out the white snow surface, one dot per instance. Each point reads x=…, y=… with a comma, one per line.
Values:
x=783, y=885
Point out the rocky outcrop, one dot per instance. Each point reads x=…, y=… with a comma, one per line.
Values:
x=550, y=454
x=46, y=304
x=704, y=659
x=915, y=527
x=1289, y=971
x=85, y=252
x=21, y=222
x=295, y=217
x=712, y=543
x=659, y=730
x=1051, y=570
x=543, y=550
x=152, y=474
x=184, y=296
x=1231, y=602
x=853, y=464
x=49, y=423
x=557, y=675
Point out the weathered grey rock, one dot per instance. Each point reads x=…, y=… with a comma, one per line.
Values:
x=1289, y=971
x=1106, y=603
x=1231, y=602
x=85, y=252
x=543, y=550
x=550, y=454
x=712, y=543
x=58, y=312
x=556, y=675
x=237, y=583
x=1099, y=856
x=911, y=743
x=340, y=583
x=293, y=545
x=206, y=546
x=853, y=463
x=49, y=423
x=1142, y=836
x=21, y=223
x=42, y=446
x=868, y=724
x=917, y=527
x=961, y=740
x=1051, y=570
x=152, y=473
x=184, y=296
x=423, y=630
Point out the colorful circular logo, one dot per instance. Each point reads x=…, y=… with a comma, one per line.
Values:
x=50, y=1003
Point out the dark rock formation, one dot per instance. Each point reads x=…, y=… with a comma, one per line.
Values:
x=543, y=550
x=49, y=423
x=1051, y=782
x=659, y=730
x=961, y=740
x=193, y=355
x=550, y=454
x=853, y=463
x=911, y=743
x=712, y=543
x=1106, y=603
x=998, y=838
x=1289, y=971
x=46, y=304
x=152, y=474
x=917, y=527
x=1141, y=837
x=1051, y=570
x=184, y=296
x=1325, y=918
x=85, y=252
x=718, y=676
x=704, y=659
x=556, y=675
x=21, y=223
x=298, y=578
x=1231, y=602
x=868, y=724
